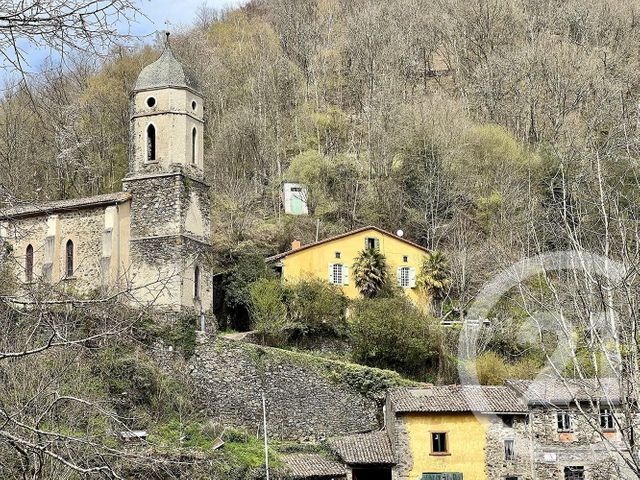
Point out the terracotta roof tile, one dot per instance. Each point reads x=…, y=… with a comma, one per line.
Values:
x=343, y=235
x=456, y=398
x=313, y=465
x=364, y=448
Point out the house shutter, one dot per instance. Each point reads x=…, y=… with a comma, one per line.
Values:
x=331, y=273
x=376, y=243
x=345, y=275
x=412, y=277
x=399, y=276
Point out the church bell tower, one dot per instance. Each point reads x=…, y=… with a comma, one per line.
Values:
x=170, y=221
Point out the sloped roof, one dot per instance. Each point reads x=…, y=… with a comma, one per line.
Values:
x=313, y=465
x=456, y=398
x=343, y=235
x=372, y=448
x=29, y=210
x=166, y=71
x=565, y=391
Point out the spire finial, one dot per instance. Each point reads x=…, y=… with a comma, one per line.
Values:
x=166, y=40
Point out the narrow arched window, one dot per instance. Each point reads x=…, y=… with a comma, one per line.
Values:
x=151, y=143
x=193, y=145
x=28, y=263
x=196, y=282
x=69, y=259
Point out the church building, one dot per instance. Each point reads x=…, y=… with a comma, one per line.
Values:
x=152, y=239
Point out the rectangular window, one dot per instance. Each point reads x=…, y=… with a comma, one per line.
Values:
x=405, y=259
x=338, y=254
x=438, y=442
x=404, y=277
x=371, y=243
x=573, y=473
x=564, y=422
x=509, y=450
x=511, y=478
x=606, y=419
x=507, y=420
x=337, y=274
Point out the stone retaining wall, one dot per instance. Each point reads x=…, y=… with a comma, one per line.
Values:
x=307, y=398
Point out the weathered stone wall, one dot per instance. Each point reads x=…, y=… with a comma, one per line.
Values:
x=500, y=429
x=553, y=450
x=100, y=246
x=170, y=232
x=306, y=397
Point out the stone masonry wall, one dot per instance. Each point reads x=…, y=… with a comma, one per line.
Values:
x=306, y=397
x=553, y=450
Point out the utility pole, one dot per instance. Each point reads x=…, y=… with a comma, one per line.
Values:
x=266, y=441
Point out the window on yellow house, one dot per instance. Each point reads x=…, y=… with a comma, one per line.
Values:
x=406, y=277
x=439, y=442
x=338, y=274
x=371, y=243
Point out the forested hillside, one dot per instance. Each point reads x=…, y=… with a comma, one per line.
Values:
x=489, y=129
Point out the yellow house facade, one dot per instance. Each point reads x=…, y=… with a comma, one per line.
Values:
x=332, y=259
x=455, y=432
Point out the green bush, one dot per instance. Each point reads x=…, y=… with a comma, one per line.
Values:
x=268, y=311
x=492, y=369
x=315, y=308
x=394, y=333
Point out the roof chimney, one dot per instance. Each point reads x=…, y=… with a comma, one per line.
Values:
x=295, y=245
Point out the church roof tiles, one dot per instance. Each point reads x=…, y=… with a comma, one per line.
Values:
x=48, y=208
x=165, y=72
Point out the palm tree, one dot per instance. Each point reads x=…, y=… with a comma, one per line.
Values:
x=434, y=277
x=370, y=272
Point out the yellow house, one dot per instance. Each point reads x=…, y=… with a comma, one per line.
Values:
x=457, y=432
x=333, y=258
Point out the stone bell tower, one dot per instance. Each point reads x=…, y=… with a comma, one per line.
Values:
x=170, y=224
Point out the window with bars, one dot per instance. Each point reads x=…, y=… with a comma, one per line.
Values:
x=509, y=450
x=438, y=442
x=564, y=422
x=337, y=274
x=573, y=473
x=606, y=419
x=404, y=277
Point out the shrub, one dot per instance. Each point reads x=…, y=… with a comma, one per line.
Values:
x=394, y=333
x=268, y=311
x=492, y=369
x=315, y=308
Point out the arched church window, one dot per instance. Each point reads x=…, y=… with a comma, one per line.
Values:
x=69, y=259
x=196, y=282
x=151, y=143
x=193, y=145
x=28, y=263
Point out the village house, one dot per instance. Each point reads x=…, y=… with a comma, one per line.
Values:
x=333, y=258
x=458, y=433
x=150, y=240
x=579, y=428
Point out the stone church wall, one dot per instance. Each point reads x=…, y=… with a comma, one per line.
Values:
x=306, y=397
x=100, y=244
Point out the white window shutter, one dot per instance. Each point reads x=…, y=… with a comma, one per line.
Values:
x=331, y=273
x=376, y=243
x=399, y=276
x=412, y=277
x=345, y=274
